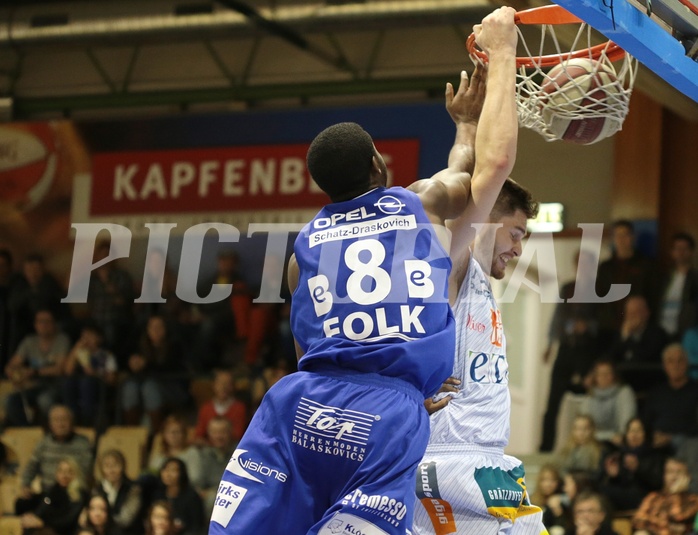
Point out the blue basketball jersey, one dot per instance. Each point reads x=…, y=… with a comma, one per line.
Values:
x=372, y=294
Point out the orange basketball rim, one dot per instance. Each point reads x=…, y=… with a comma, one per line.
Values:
x=550, y=15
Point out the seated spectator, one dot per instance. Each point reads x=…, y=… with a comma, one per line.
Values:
x=574, y=483
x=223, y=404
x=122, y=494
x=110, y=301
x=160, y=519
x=678, y=295
x=589, y=516
x=549, y=485
x=34, y=369
x=175, y=443
x=58, y=443
x=97, y=517
x=612, y=404
x=58, y=507
x=172, y=485
x=582, y=451
x=214, y=459
x=690, y=344
x=156, y=377
x=632, y=470
x=638, y=345
x=35, y=290
x=671, y=408
x=89, y=371
x=670, y=510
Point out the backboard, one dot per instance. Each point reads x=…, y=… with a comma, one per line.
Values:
x=661, y=34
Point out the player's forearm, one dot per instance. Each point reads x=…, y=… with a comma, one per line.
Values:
x=462, y=155
x=497, y=133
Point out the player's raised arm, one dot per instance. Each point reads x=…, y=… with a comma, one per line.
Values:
x=445, y=195
x=497, y=133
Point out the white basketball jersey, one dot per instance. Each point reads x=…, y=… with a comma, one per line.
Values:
x=479, y=412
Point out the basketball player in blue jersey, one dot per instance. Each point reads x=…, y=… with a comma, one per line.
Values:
x=465, y=483
x=333, y=448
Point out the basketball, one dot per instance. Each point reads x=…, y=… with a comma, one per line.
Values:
x=576, y=98
x=27, y=163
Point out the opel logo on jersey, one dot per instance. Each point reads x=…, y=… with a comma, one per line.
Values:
x=389, y=205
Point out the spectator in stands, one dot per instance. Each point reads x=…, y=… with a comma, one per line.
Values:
x=159, y=280
x=97, y=517
x=217, y=330
x=156, y=378
x=160, y=519
x=574, y=330
x=110, y=301
x=123, y=495
x=582, y=451
x=549, y=485
x=678, y=298
x=175, y=443
x=574, y=483
x=173, y=486
x=638, y=345
x=223, y=404
x=90, y=370
x=611, y=403
x=36, y=290
x=632, y=470
x=671, y=409
x=626, y=266
x=264, y=381
x=690, y=344
x=8, y=281
x=35, y=369
x=58, y=443
x=589, y=516
x=214, y=459
x=671, y=510
x=58, y=507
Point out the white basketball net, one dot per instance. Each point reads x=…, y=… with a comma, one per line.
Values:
x=537, y=113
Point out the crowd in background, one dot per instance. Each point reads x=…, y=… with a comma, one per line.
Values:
x=633, y=443
x=111, y=361
x=628, y=369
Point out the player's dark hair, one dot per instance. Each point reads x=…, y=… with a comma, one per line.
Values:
x=339, y=161
x=514, y=197
x=685, y=236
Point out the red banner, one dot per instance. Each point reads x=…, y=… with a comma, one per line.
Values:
x=269, y=177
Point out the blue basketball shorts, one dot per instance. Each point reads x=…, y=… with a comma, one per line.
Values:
x=326, y=454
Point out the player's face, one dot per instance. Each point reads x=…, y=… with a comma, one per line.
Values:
x=507, y=242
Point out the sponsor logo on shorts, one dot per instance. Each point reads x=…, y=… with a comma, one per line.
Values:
x=228, y=499
x=439, y=510
x=504, y=492
x=382, y=506
x=241, y=465
x=346, y=524
x=332, y=430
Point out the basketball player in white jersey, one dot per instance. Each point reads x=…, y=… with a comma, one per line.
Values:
x=465, y=483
